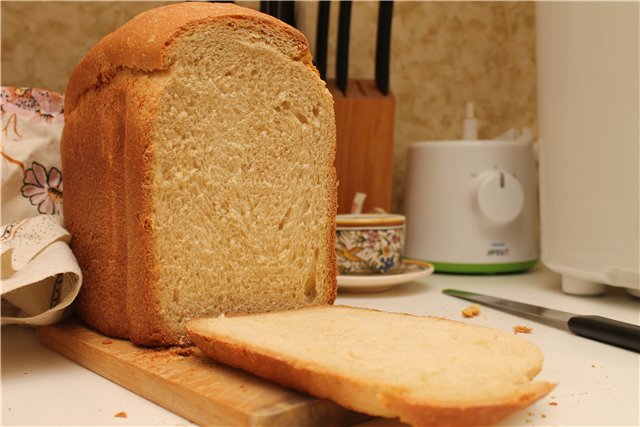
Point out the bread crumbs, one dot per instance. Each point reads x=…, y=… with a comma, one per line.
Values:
x=471, y=311
x=553, y=403
x=121, y=414
x=519, y=329
x=182, y=351
x=107, y=342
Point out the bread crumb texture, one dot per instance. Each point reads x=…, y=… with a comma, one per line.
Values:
x=121, y=414
x=471, y=311
x=519, y=329
x=183, y=351
x=250, y=180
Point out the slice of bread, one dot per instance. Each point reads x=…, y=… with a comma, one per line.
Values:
x=198, y=161
x=425, y=370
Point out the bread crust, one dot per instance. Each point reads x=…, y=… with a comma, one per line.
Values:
x=358, y=395
x=110, y=184
x=99, y=241
x=142, y=43
x=425, y=414
x=146, y=326
x=332, y=209
x=108, y=165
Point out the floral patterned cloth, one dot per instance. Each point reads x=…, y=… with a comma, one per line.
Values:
x=32, y=121
x=40, y=275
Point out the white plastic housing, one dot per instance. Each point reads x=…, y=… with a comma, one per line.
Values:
x=589, y=150
x=471, y=202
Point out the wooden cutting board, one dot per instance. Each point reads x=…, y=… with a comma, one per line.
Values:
x=186, y=382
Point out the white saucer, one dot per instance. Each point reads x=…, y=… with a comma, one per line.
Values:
x=410, y=269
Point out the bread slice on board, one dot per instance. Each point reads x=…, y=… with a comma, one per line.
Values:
x=198, y=154
x=425, y=370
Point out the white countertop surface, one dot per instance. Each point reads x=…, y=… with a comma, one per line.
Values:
x=598, y=385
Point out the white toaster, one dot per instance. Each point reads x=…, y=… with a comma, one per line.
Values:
x=471, y=206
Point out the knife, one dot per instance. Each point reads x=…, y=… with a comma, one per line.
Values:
x=609, y=331
x=322, y=36
x=288, y=12
x=273, y=8
x=383, y=45
x=342, y=56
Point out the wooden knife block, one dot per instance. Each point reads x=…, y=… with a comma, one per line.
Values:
x=364, y=156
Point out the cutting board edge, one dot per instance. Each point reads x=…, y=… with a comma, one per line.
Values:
x=314, y=412
x=49, y=337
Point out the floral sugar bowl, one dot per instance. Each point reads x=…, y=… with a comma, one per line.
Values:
x=369, y=243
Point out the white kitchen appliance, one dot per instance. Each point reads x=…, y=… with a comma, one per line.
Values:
x=471, y=206
x=588, y=96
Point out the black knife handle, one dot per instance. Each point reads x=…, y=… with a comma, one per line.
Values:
x=288, y=12
x=383, y=46
x=273, y=8
x=605, y=330
x=342, y=50
x=322, y=35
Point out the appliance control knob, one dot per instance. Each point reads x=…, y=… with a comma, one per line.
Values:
x=500, y=196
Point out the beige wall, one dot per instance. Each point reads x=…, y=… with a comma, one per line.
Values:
x=443, y=54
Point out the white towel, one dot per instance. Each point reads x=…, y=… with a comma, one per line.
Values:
x=40, y=276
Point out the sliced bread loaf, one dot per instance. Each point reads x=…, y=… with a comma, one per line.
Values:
x=425, y=370
x=198, y=160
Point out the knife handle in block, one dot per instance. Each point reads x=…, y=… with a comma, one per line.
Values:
x=605, y=330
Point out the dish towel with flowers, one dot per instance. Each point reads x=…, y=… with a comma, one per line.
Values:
x=40, y=276
x=32, y=121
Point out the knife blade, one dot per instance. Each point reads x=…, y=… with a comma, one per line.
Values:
x=609, y=331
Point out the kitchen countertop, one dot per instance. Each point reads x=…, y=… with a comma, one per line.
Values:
x=597, y=384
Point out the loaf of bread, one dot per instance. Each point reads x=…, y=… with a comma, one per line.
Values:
x=198, y=157
x=427, y=371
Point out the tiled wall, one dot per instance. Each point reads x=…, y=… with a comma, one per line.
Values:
x=443, y=54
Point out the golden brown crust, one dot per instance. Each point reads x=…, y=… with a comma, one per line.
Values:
x=472, y=414
x=109, y=186
x=108, y=172
x=142, y=43
x=332, y=209
x=146, y=326
x=92, y=198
